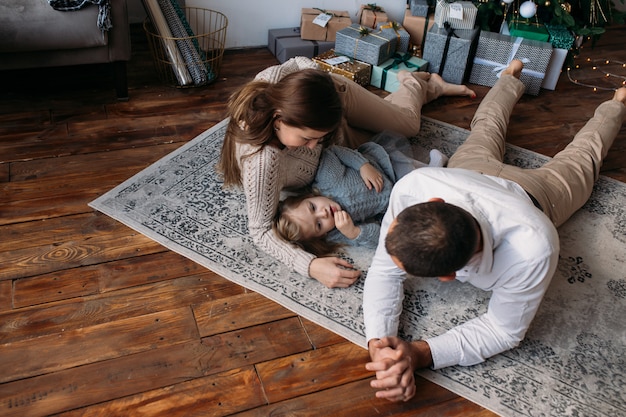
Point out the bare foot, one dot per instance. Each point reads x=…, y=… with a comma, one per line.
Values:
x=620, y=95
x=448, y=89
x=514, y=68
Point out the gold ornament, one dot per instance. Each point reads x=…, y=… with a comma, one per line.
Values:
x=567, y=7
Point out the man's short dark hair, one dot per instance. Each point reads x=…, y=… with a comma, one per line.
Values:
x=433, y=239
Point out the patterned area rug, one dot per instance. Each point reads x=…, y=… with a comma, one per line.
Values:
x=572, y=362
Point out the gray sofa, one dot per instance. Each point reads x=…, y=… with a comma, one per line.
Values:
x=34, y=35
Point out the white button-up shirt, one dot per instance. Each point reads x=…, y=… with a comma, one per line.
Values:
x=517, y=261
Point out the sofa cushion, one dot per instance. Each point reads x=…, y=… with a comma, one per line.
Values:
x=33, y=25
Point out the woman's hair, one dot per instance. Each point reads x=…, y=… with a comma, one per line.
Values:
x=433, y=239
x=288, y=230
x=303, y=99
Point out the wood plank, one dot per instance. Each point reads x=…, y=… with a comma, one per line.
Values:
x=119, y=242
x=218, y=395
x=103, y=381
x=257, y=344
x=148, y=269
x=54, y=318
x=49, y=231
x=6, y=295
x=319, y=336
x=133, y=161
x=56, y=286
x=237, y=312
x=357, y=399
x=97, y=343
x=312, y=371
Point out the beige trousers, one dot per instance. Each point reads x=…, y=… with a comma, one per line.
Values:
x=562, y=185
x=366, y=114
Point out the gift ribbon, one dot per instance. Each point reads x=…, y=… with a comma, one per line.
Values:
x=425, y=32
x=397, y=60
x=325, y=12
x=396, y=28
x=444, y=58
x=363, y=31
x=499, y=67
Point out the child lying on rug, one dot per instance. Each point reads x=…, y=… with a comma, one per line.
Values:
x=350, y=185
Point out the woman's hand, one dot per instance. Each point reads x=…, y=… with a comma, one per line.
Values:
x=333, y=272
x=345, y=224
x=371, y=177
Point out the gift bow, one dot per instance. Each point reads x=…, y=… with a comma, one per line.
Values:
x=391, y=25
x=373, y=7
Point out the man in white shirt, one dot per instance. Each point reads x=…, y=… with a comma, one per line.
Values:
x=482, y=222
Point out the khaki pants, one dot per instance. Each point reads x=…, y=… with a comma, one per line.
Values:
x=366, y=114
x=563, y=184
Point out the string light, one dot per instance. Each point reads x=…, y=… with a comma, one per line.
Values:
x=598, y=64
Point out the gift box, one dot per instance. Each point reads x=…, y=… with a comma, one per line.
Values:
x=534, y=31
x=286, y=43
x=460, y=14
x=450, y=52
x=496, y=51
x=370, y=15
x=553, y=71
x=419, y=7
x=359, y=72
x=418, y=26
x=385, y=75
x=322, y=25
x=403, y=36
x=367, y=45
x=561, y=40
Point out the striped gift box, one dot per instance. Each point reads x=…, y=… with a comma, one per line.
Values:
x=460, y=14
x=496, y=51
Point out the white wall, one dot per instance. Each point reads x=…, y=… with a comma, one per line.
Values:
x=249, y=20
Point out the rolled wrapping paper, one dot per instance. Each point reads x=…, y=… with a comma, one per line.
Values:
x=169, y=45
x=193, y=60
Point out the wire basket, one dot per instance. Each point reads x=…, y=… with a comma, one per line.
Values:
x=187, y=61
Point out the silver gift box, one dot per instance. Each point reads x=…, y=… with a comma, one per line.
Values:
x=496, y=51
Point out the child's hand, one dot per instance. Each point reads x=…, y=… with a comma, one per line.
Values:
x=344, y=223
x=371, y=177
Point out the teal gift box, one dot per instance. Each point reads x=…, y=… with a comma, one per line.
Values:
x=534, y=31
x=385, y=75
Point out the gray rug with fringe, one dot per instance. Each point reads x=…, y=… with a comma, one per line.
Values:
x=572, y=362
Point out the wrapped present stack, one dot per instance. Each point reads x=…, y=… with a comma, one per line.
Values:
x=447, y=37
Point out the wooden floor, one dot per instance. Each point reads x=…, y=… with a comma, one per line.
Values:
x=96, y=319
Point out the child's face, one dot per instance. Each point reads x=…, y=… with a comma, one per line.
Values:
x=315, y=216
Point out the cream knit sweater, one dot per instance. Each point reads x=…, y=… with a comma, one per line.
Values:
x=265, y=172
